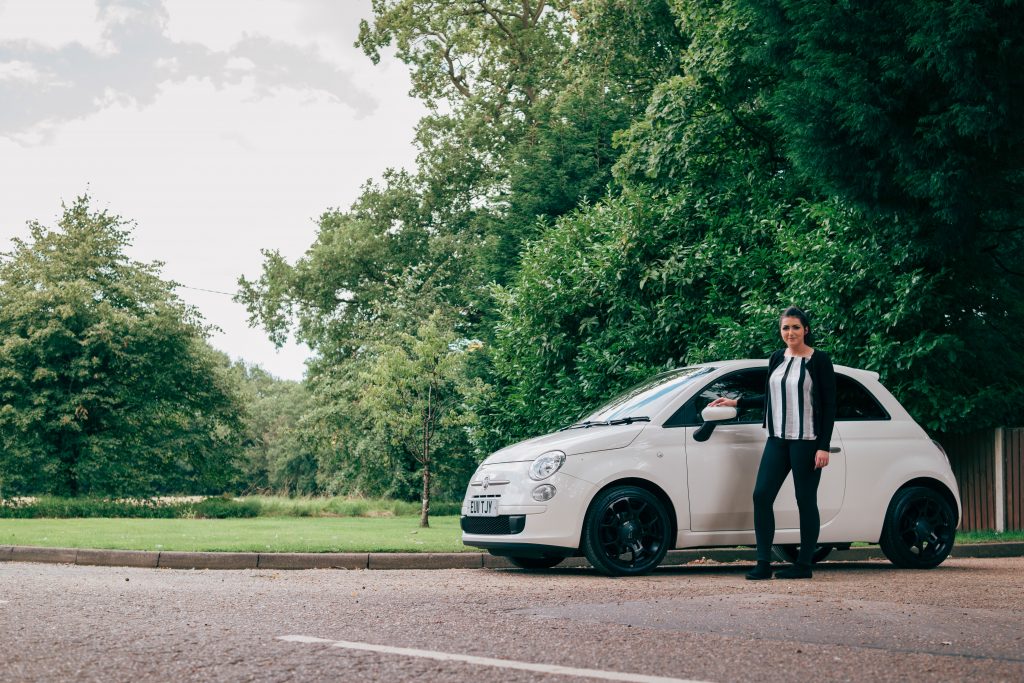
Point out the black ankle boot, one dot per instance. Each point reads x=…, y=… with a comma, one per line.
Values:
x=762, y=571
x=795, y=571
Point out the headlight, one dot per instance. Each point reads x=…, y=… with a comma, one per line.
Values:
x=546, y=465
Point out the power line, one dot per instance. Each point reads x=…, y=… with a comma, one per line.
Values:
x=4, y=255
x=202, y=289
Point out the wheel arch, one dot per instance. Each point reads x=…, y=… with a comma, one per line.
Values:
x=649, y=486
x=937, y=486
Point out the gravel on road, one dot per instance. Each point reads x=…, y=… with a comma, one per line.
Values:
x=854, y=621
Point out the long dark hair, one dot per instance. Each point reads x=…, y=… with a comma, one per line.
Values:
x=794, y=312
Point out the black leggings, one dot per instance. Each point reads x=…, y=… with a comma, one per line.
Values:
x=779, y=457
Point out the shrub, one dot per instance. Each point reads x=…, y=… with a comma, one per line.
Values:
x=224, y=508
x=64, y=508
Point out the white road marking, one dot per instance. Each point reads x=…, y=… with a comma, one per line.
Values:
x=488, y=661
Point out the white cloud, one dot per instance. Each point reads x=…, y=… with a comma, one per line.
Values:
x=142, y=59
x=16, y=70
x=53, y=23
x=213, y=161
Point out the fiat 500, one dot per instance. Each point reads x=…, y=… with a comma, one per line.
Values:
x=656, y=469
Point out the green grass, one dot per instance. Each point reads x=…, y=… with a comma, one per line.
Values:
x=276, y=534
x=1015, y=535
x=261, y=534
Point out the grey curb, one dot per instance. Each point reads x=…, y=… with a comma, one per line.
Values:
x=313, y=560
x=24, y=553
x=425, y=561
x=469, y=560
x=118, y=558
x=173, y=560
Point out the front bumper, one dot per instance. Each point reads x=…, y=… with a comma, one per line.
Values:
x=524, y=524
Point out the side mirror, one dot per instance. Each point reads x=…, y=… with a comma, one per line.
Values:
x=711, y=417
x=718, y=414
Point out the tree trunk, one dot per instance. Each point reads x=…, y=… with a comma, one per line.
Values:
x=425, y=498
x=425, y=510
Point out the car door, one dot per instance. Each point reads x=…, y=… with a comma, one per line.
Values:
x=722, y=470
x=867, y=430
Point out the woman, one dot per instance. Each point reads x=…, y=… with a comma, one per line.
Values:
x=799, y=411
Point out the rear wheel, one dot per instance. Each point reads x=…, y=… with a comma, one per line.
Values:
x=919, y=530
x=626, y=532
x=789, y=552
x=535, y=562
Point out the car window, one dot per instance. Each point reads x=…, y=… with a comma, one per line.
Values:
x=650, y=396
x=854, y=402
x=743, y=383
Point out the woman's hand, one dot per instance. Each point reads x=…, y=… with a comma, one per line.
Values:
x=727, y=402
x=820, y=459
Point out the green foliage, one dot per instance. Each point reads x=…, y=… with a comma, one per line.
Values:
x=279, y=453
x=146, y=508
x=720, y=225
x=107, y=384
x=414, y=396
x=223, y=507
x=903, y=107
x=55, y=507
x=635, y=46
x=338, y=506
x=608, y=188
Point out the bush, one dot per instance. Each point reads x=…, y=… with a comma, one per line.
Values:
x=224, y=508
x=64, y=508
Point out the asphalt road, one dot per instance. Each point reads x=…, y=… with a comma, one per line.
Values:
x=854, y=621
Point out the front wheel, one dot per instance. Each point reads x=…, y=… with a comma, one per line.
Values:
x=920, y=526
x=535, y=562
x=626, y=532
x=789, y=552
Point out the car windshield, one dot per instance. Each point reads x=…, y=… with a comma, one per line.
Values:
x=648, y=397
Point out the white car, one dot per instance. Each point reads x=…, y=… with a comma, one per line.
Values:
x=654, y=470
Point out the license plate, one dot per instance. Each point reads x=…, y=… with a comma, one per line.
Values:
x=483, y=507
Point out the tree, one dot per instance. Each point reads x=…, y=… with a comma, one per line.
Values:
x=107, y=384
x=904, y=107
x=719, y=224
x=279, y=452
x=414, y=396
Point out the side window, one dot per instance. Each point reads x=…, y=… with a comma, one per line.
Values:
x=745, y=383
x=854, y=402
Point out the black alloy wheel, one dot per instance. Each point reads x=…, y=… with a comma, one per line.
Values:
x=626, y=532
x=535, y=562
x=919, y=530
x=789, y=552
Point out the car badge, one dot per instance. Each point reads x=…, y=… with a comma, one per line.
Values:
x=487, y=481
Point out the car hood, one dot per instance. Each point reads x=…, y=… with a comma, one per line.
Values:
x=570, y=442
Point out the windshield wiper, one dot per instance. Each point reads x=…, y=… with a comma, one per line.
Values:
x=605, y=423
x=629, y=420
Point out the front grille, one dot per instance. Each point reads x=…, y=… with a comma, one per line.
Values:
x=502, y=525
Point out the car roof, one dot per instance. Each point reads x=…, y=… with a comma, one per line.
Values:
x=855, y=373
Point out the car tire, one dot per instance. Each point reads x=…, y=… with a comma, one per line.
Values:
x=626, y=531
x=788, y=552
x=919, y=529
x=535, y=562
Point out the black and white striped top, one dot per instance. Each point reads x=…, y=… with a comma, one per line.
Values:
x=792, y=410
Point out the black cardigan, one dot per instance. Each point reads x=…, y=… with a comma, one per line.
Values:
x=823, y=394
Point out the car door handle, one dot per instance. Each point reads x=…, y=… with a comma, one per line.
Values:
x=835, y=449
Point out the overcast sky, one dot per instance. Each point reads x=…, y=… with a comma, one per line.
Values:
x=222, y=127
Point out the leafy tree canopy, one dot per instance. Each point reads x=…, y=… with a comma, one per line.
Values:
x=107, y=384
